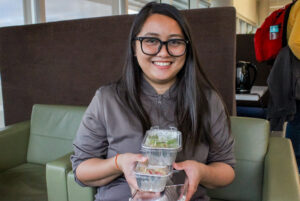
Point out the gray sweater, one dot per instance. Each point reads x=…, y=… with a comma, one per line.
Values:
x=108, y=127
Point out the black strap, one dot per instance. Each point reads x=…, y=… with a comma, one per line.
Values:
x=285, y=22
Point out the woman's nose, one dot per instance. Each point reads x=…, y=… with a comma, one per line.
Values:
x=163, y=51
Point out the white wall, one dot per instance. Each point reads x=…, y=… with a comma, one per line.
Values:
x=263, y=7
x=247, y=10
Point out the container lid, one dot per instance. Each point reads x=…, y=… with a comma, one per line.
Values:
x=156, y=138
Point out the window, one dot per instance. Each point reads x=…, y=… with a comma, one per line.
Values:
x=134, y=6
x=179, y=4
x=74, y=9
x=11, y=13
x=242, y=27
x=204, y=4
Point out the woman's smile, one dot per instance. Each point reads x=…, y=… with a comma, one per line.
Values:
x=162, y=64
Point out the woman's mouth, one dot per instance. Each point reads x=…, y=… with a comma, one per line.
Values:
x=162, y=64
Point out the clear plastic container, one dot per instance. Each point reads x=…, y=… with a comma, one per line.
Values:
x=152, y=178
x=175, y=190
x=161, y=145
x=171, y=193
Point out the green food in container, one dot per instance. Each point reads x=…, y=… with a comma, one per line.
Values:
x=161, y=142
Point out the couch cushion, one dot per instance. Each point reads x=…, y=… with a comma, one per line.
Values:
x=26, y=182
x=53, y=128
x=251, y=143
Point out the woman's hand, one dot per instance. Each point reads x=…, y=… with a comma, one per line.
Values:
x=126, y=163
x=194, y=175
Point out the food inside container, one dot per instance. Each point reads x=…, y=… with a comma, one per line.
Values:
x=162, y=138
x=161, y=146
x=152, y=170
x=152, y=178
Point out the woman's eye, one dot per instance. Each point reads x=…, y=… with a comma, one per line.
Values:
x=151, y=41
x=175, y=42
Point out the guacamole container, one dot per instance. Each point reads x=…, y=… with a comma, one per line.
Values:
x=152, y=178
x=161, y=145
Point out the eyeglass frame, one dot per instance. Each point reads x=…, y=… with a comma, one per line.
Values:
x=141, y=38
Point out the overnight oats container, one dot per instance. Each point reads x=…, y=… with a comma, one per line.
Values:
x=161, y=146
x=152, y=178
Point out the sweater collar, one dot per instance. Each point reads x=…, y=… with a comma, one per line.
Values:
x=148, y=90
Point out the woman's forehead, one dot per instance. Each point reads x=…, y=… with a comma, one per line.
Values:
x=158, y=24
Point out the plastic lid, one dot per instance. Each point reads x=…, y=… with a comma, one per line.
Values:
x=156, y=138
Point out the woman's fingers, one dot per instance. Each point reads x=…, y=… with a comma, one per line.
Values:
x=127, y=165
x=179, y=166
x=190, y=192
x=193, y=176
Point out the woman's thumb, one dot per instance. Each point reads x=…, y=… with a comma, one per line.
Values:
x=142, y=158
x=178, y=166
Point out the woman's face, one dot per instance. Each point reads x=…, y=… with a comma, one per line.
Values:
x=160, y=70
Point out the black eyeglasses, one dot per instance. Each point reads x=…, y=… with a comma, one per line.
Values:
x=151, y=46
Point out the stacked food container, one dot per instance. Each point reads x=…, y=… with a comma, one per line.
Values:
x=161, y=147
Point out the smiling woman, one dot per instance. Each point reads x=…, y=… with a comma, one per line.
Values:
x=163, y=85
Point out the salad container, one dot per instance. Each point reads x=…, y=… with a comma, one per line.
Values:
x=152, y=178
x=161, y=145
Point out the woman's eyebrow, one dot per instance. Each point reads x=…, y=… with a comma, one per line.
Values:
x=151, y=34
x=156, y=35
x=176, y=35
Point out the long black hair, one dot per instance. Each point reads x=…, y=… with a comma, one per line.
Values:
x=192, y=108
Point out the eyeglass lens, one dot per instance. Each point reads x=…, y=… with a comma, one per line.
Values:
x=175, y=47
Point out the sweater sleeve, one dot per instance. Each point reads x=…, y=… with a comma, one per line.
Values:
x=223, y=148
x=91, y=139
x=294, y=40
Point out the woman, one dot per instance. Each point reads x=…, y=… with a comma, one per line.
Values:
x=162, y=85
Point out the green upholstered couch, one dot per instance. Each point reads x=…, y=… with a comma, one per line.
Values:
x=265, y=170
x=26, y=147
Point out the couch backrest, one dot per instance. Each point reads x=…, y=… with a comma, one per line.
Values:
x=251, y=143
x=66, y=62
x=52, y=130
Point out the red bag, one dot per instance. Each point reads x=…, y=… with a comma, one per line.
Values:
x=271, y=36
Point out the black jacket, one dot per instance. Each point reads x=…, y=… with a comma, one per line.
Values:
x=281, y=83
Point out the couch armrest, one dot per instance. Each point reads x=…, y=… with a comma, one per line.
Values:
x=56, y=177
x=78, y=193
x=14, y=144
x=281, y=177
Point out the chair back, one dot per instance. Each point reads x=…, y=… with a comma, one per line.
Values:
x=52, y=130
x=251, y=143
